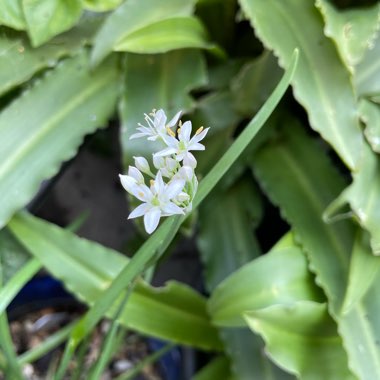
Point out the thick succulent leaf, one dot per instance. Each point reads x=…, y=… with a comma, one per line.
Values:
x=47, y=123
x=363, y=196
x=132, y=16
x=225, y=239
x=87, y=269
x=166, y=35
x=226, y=242
x=364, y=268
x=321, y=83
x=367, y=72
x=256, y=80
x=19, y=61
x=101, y=5
x=160, y=81
x=289, y=161
x=11, y=14
x=47, y=18
x=279, y=277
x=352, y=30
x=13, y=255
x=370, y=115
x=218, y=368
x=303, y=339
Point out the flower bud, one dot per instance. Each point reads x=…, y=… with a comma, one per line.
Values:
x=142, y=164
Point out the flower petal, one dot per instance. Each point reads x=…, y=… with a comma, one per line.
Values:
x=165, y=152
x=185, y=131
x=172, y=209
x=140, y=211
x=174, y=188
x=151, y=219
x=136, y=174
x=160, y=119
x=159, y=184
x=200, y=136
x=196, y=146
x=189, y=160
x=127, y=182
x=175, y=119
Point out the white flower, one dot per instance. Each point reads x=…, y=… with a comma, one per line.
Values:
x=181, y=148
x=157, y=127
x=167, y=165
x=157, y=199
x=143, y=165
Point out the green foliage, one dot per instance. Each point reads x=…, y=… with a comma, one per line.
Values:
x=309, y=307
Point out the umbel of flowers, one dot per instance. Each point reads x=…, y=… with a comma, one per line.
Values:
x=173, y=183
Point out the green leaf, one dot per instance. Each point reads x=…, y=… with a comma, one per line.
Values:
x=370, y=115
x=26, y=61
x=39, y=126
x=302, y=338
x=364, y=268
x=47, y=18
x=101, y=5
x=225, y=238
x=166, y=35
x=367, y=77
x=321, y=83
x=169, y=77
x=11, y=14
x=87, y=268
x=254, y=83
x=352, y=30
x=133, y=16
x=217, y=369
x=280, y=276
x=289, y=161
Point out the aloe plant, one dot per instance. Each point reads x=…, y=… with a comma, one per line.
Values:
x=285, y=217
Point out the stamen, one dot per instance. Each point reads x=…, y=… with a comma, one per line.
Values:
x=151, y=182
x=180, y=123
x=141, y=194
x=199, y=130
x=170, y=132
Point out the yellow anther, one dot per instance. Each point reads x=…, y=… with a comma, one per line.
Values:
x=170, y=132
x=199, y=130
x=141, y=194
x=180, y=123
x=151, y=182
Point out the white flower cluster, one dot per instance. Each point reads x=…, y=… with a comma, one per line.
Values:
x=175, y=163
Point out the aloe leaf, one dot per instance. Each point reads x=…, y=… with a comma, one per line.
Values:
x=279, y=277
x=370, y=115
x=38, y=126
x=166, y=35
x=47, y=18
x=325, y=93
x=328, y=247
x=352, y=30
x=87, y=268
x=11, y=14
x=302, y=338
x=169, y=77
x=26, y=61
x=132, y=16
x=217, y=369
x=364, y=268
x=101, y=5
x=225, y=244
x=254, y=83
x=367, y=78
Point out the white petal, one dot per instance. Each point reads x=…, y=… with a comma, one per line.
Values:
x=174, y=188
x=136, y=174
x=139, y=211
x=196, y=146
x=170, y=141
x=171, y=164
x=127, y=182
x=151, y=219
x=172, y=209
x=137, y=136
x=142, y=164
x=200, y=136
x=189, y=160
x=159, y=184
x=175, y=119
x=186, y=172
x=185, y=131
x=182, y=197
x=160, y=119
x=165, y=152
